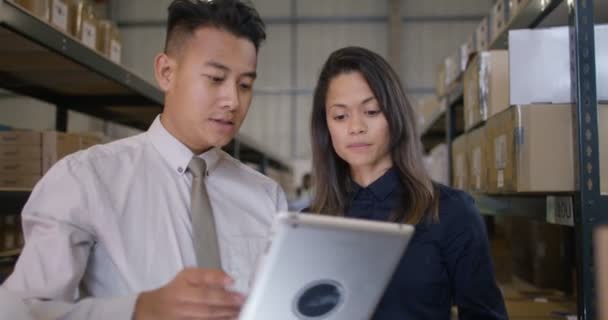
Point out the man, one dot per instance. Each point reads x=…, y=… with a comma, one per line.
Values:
x=118, y=222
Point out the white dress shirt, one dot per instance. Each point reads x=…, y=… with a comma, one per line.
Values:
x=114, y=220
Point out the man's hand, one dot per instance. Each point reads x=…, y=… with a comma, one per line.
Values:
x=193, y=294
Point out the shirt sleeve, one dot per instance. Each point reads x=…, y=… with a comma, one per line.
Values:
x=467, y=254
x=59, y=235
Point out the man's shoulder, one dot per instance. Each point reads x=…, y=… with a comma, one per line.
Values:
x=244, y=172
x=108, y=153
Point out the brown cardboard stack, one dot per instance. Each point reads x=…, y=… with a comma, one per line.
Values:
x=88, y=140
x=460, y=163
x=499, y=18
x=549, y=266
x=109, y=41
x=482, y=35
x=83, y=24
x=477, y=159
x=486, y=87
x=39, y=8
x=515, y=6
x=56, y=145
x=60, y=15
x=532, y=150
x=20, y=159
x=428, y=109
x=467, y=50
x=601, y=253
x=11, y=237
x=440, y=86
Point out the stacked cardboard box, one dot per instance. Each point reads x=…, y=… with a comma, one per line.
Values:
x=109, y=41
x=601, y=253
x=486, y=87
x=61, y=15
x=56, y=145
x=476, y=155
x=436, y=163
x=460, y=163
x=535, y=79
x=39, y=8
x=83, y=23
x=428, y=109
x=11, y=237
x=20, y=159
x=531, y=149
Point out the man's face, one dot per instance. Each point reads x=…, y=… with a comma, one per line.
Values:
x=208, y=87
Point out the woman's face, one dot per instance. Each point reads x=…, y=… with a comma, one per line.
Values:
x=358, y=128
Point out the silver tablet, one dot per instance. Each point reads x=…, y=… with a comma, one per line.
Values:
x=324, y=267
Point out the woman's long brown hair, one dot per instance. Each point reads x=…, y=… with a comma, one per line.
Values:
x=331, y=174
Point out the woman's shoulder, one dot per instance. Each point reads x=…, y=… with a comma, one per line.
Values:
x=455, y=204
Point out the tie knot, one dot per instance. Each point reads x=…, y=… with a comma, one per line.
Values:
x=197, y=167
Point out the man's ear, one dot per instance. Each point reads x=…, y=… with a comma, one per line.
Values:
x=164, y=71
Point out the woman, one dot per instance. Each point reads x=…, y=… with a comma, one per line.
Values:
x=367, y=164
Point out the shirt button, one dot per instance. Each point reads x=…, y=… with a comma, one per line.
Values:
x=180, y=169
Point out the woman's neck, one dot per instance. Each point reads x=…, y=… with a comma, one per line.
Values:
x=366, y=175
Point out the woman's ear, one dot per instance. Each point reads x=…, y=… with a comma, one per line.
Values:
x=164, y=71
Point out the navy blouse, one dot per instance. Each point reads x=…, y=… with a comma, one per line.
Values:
x=446, y=263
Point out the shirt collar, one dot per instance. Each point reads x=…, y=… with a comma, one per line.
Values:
x=382, y=187
x=175, y=153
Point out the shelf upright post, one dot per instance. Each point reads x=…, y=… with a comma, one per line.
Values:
x=61, y=119
x=587, y=200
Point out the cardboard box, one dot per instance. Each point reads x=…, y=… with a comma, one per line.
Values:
x=601, y=254
x=39, y=8
x=21, y=152
x=482, y=35
x=109, y=41
x=549, y=264
x=437, y=164
x=538, y=309
x=460, y=163
x=452, y=69
x=498, y=18
x=88, y=140
x=18, y=181
x=477, y=160
x=539, y=65
x=83, y=24
x=520, y=236
x=18, y=137
x=532, y=149
x=502, y=259
x=467, y=50
x=486, y=87
x=56, y=145
x=16, y=166
x=440, y=86
x=428, y=109
x=515, y=6
x=60, y=14
x=10, y=233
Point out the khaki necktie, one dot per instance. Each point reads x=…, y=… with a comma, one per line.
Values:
x=204, y=234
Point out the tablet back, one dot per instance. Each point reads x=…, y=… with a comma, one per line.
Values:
x=324, y=267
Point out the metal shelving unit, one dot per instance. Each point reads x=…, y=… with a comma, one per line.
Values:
x=39, y=61
x=585, y=209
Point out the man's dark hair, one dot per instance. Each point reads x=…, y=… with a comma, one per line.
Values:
x=237, y=17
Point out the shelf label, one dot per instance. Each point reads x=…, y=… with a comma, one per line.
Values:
x=59, y=16
x=115, y=51
x=500, y=175
x=560, y=210
x=89, y=35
